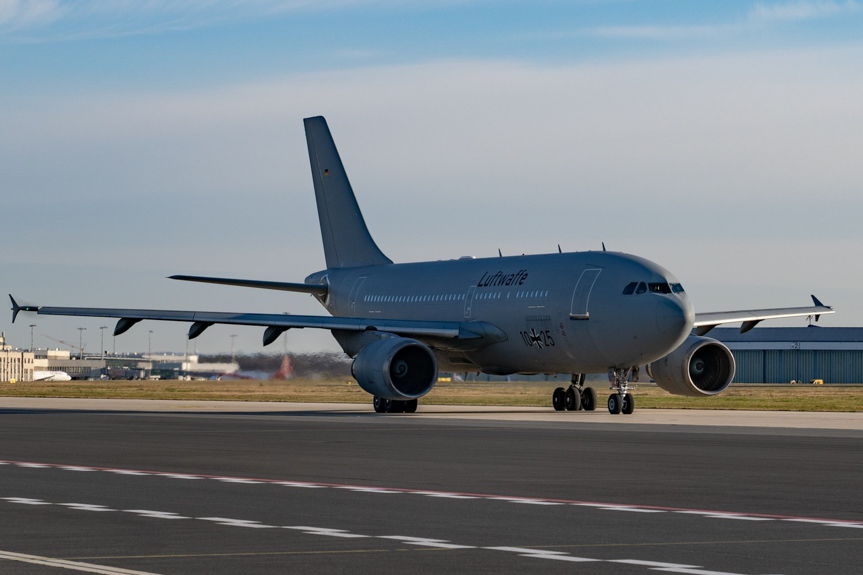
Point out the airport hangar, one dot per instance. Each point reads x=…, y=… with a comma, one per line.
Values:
x=800, y=354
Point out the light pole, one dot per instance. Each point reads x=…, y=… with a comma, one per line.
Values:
x=32, y=325
x=81, y=331
x=233, y=337
x=102, y=341
x=149, y=343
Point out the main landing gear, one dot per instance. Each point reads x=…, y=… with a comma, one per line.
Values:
x=574, y=397
x=382, y=405
x=621, y=401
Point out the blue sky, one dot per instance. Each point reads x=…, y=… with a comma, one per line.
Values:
x=147, y=138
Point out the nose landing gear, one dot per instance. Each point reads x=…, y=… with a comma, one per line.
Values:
x=574, y=397
x=621, y=401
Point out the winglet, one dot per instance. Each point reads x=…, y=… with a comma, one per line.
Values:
x=817, y=302
x=19, y=308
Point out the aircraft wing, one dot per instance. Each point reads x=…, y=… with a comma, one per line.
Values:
x=704, y=322
x=277, y=323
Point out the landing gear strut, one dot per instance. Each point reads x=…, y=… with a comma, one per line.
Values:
x=383, y=405
x=574, y=397
x=620, y=400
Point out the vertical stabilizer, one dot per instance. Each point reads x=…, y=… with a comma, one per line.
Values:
x=347, y=242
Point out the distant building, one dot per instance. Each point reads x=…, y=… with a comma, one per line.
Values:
x=60, y=360
x=801, y=354
x=15, y=364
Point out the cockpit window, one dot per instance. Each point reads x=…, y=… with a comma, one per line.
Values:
x=630, y=288
x=642, y=287
x=659, y=287
x=676, y=288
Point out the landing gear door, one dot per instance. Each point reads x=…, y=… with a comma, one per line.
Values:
x=581, y=295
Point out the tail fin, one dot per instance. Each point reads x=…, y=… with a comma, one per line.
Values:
x=347, y=242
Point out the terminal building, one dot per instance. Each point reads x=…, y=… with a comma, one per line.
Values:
x=15, y=364
x=798, y=354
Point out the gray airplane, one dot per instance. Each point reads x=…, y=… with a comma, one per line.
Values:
x=576, y=313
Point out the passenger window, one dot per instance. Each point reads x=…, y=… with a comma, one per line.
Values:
x=630, y=288
x=642, y=287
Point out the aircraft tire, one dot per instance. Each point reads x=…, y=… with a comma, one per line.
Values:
x=628, y=404
x=614, y=402
x=588, y=399
x=378, y=404
x=411, y=406
x=558, y=399
x=572, y=399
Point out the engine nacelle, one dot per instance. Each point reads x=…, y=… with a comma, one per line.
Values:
x=700, y=366
x=395, y=368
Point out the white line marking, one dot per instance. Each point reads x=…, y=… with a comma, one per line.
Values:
x=732, y=516
x=828, y=523
x=367, y=489
x=33, y=465
x=696, y=571
x=70, y=565
x=26, y=501
x=178, y=476
x=127, y=472
x=155, y=514
x=633, y=509
x=544, y=554
x=300, y=484
x=237, y=522
x=425, y=542
x=326, y=531
x=653, y=563
x=442, y=495
x=75, y=468
x=526, y=501
x=86, y=507
x=236, y=480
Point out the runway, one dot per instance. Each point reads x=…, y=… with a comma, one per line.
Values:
x=166, y=491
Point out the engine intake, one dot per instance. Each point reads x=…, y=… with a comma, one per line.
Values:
x=700, y=366
x=395, y=368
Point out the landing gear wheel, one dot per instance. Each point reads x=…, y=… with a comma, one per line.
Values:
x=379, y=404
x=410, y=406
x=614, y=401
x=588, y=399
x=558, y=400
x=628, y=404
x=572, y=399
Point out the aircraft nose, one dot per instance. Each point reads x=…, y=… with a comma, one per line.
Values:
x=674, y=317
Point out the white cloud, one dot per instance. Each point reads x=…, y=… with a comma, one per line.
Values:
x=798, y=10
x=25, y=13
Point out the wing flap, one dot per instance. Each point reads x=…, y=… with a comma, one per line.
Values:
x=434, y=329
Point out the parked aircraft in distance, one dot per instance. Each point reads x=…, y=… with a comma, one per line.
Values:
x=51, y=376
x=577, y=313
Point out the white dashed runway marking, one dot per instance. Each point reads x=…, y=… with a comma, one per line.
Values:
x=526, y=552
x=538, y=501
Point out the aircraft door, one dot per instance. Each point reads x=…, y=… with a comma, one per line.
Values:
x=468, y=301
x=581, y=295
x=356, y=296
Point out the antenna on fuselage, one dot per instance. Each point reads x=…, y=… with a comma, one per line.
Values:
x=603, y=246
x=498, y=253
x=560, y=251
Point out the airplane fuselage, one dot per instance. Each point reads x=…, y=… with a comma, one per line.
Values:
x=559, y=312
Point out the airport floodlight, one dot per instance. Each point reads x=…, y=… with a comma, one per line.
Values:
x=32, y=325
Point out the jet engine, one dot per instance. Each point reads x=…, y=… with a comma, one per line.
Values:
x=700, y=366
x=395, y=368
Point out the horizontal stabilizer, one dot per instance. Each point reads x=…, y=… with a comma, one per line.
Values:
x=319, y=290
